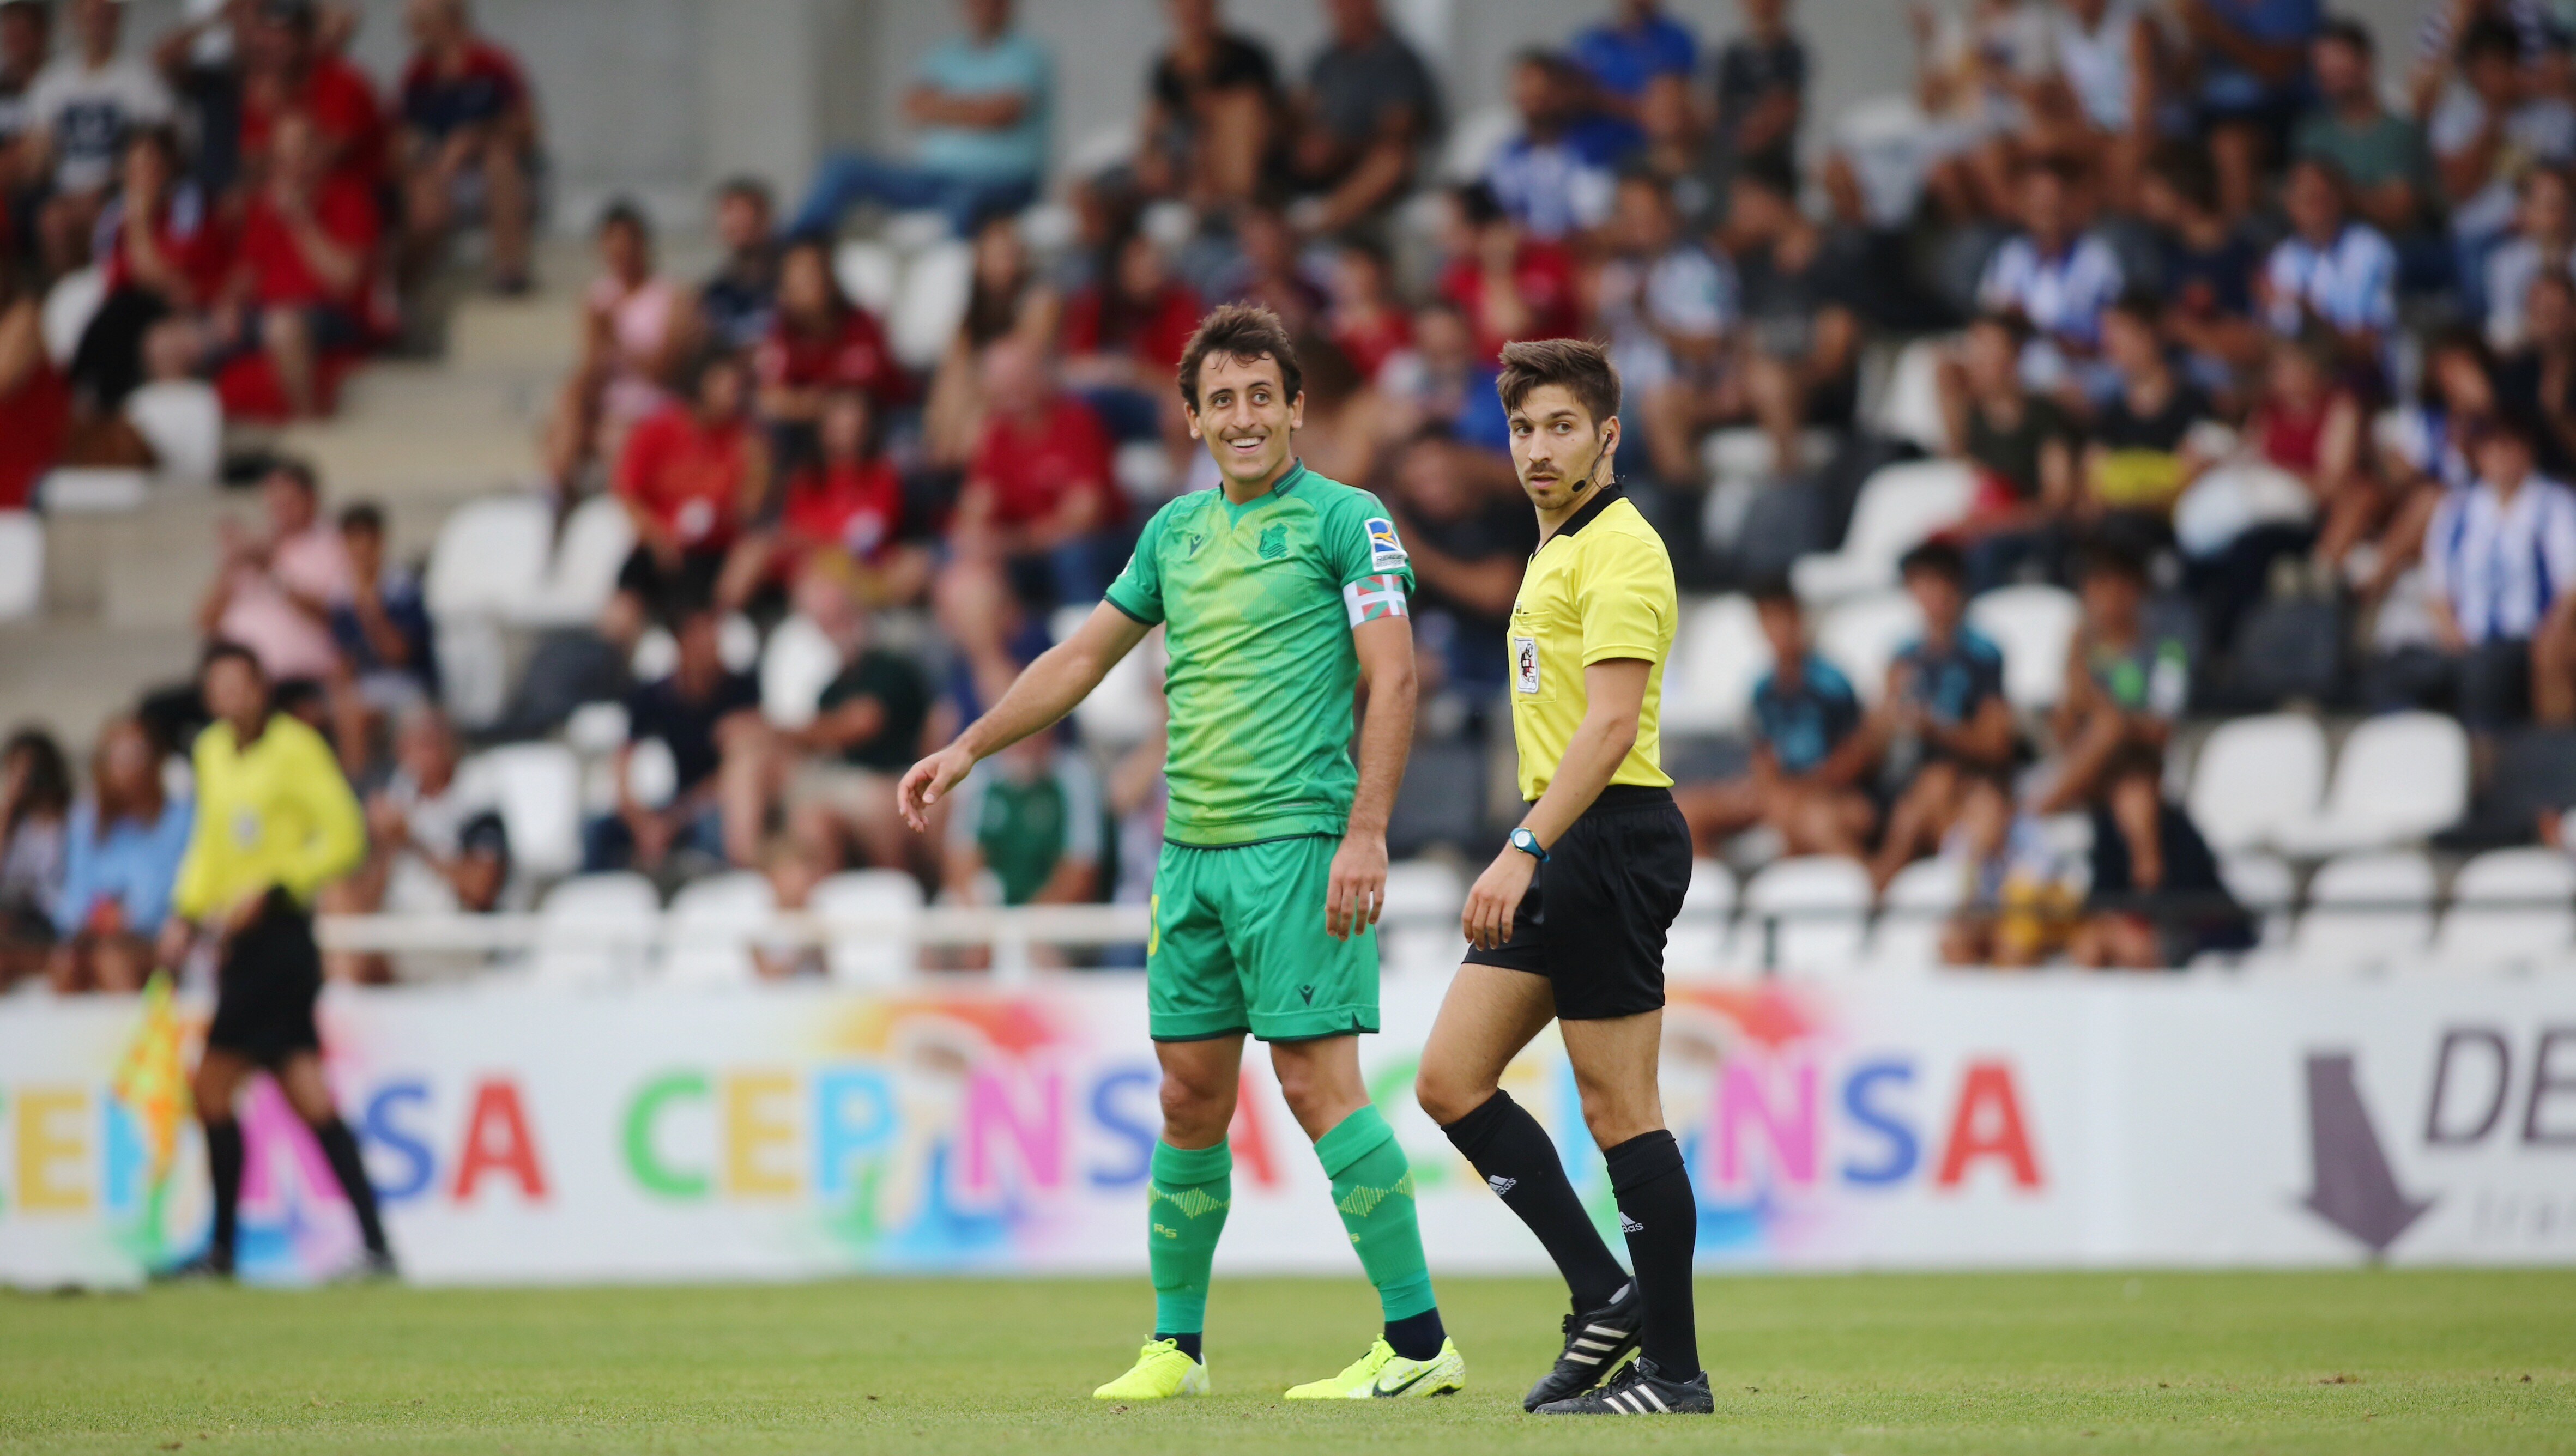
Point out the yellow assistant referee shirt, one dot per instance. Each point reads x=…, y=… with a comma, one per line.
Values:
x=276, y=813
x=1600, y=588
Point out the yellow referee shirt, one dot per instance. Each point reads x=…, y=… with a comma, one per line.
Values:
x=1600, y=588
x=276, y=813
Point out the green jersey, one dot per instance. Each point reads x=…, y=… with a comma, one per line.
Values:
x=1258, y=603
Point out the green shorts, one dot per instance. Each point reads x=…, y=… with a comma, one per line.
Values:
x=1239, y=945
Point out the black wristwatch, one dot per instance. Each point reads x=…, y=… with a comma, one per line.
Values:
x=1527, y=843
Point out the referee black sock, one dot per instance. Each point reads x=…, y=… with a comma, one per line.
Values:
x=341, y=1148
x=1662, y=1220
x=224, y=1165
x=1521, y=1165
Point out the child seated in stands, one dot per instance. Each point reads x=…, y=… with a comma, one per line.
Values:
x=2021, y=902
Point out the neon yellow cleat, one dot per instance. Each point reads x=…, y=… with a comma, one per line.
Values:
x=1161, y=1373
x=1383, y=1374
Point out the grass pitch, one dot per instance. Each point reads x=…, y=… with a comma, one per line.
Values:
x=2373, y=1361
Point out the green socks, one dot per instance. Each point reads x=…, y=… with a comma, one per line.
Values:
x=1373, y=1188
x=1185, y=1207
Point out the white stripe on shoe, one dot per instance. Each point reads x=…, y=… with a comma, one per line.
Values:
x=1648, y=1392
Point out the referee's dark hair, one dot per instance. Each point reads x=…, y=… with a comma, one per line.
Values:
x=1242, y=332
x=1582, y=366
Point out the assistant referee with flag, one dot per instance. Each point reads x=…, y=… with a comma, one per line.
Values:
x=1568, y=923
x=276, y=822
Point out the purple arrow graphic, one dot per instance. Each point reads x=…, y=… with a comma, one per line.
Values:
x=2352, y=1186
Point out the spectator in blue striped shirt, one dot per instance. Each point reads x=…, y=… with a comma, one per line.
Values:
x=2059, y=278
x=2332, y=270
x=2500, y=558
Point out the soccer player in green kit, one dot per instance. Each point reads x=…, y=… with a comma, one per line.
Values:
x=1281, y=593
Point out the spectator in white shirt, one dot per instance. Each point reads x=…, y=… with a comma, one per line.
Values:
x=2544, y=237
x=2500, y=558
x=82, y=108
x=2332, y=269
x=1552, y=178
x=2487, y=132
x=2059, y=278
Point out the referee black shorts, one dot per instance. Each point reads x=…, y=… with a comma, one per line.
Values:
x=1597, y=911
x=266, y=986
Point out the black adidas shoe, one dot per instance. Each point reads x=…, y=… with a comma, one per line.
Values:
x=205, y=1267
x=1639, y=1391
x=1594, y=1343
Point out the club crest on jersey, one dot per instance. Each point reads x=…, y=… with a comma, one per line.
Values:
x=1385, y=551
x=1274, y=543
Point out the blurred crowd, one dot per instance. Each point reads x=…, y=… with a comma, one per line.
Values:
x=2257, y=331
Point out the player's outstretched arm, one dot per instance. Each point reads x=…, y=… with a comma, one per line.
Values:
x=1044, y=692
x=1358, y=884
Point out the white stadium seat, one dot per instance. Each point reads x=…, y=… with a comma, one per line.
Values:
x=2254, y=776
x=1823, y=902
x=1745, y=453
x=1474, y=139
x=183, y=421
x=1910, y=409
x=1898, y=508
x=2398, y=779
x=473, y=669
x=657, y=652
x=2266, y=887
x=1718, y=655
x=490, y=556
x=537, y=787
x=1697, y=942
x=596, y=929
x=867, y=271
x=796, y=664
x=2510, y=909
x=2365, y=912
x=711, y=928
x=1863, y=635
x=1912, y=912
x=69, y=306
x=22, y=565
x=936, y=288
x=2034, y=625
x=596, y=540
x=875, y=899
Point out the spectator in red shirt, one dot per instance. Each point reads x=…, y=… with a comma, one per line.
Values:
x=692, y=473
x=1366, y=319
x=818, y=342
x=1123, y=335
x=843, y=513
x=35, y=405
x=468, y=134
x=300, y=285
x=1510, y=285
x=291, y=65
x=1033, y=528
x=167, y=254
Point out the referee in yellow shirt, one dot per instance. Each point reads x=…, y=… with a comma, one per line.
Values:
x=275, y=822
x=1568, y=923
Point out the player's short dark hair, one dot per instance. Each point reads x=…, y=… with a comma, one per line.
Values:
x=1580, y=365
x=224, y=649
x=1243, y=332
x=365, y=516
x=1773, y=591
x=1935, y=557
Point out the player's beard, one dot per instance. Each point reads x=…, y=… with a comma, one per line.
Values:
x=1573, y=483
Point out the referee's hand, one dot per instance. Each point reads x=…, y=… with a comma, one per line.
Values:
x=1356, y=892
x=1496, y=898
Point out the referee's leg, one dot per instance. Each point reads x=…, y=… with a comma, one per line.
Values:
x=299, y=1076
x=1489, y=1014
x=1614, y=1062
x=218, y=1080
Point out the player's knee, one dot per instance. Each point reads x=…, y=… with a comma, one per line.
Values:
x=1194, y=1105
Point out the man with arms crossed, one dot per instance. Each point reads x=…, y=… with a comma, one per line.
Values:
x=1569, y=920
x=1282, y=593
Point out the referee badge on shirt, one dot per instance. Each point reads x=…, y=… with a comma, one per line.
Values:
x=1385, y=551
x=1525, y=664
x=246, y=828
